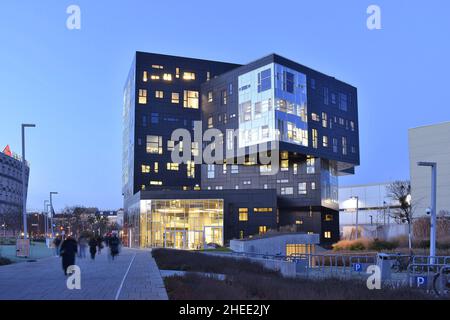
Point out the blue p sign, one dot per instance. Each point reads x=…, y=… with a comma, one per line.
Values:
x=357, y=267
x=421, y=282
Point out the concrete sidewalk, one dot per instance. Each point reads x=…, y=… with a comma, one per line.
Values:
x=132, y=275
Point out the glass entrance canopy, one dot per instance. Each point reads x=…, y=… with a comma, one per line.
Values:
x=181, y=223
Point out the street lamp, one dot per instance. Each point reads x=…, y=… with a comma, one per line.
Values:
x=357, y=209
x=46, y=217
x=51, y=212
x=24, y=188
x=433, y=166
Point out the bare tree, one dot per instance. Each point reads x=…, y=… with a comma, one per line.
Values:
x=400, y=191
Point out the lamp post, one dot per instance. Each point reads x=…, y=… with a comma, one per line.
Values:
x=46, y=217
x=51, y=212
x=24, y=188
x=433, y=166
x=357, y=209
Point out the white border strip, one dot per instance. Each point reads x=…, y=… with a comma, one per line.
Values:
x=124, y=277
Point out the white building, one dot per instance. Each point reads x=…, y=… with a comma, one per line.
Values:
x=374, y=208
x=431, y=144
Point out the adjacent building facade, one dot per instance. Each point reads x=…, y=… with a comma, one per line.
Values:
x=11, y=197
x=430, y=144
x=306, y=120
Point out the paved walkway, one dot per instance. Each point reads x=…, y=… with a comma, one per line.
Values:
x=132, y=275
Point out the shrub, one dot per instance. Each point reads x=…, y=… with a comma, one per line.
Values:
x=379, y=245
x=4, y=261
x=353, y=245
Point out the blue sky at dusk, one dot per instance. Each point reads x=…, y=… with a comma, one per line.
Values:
x=69, y=82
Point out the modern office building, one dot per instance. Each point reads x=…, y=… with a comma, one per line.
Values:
x=430, y=144
x=374, y=209
x=11, y=191
x=307, y=120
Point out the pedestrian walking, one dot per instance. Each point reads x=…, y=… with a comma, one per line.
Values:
x=68, y=251
x=99, y=244
x=114, y=243
x=57, y=244
x=93, y=247
x=82, y=244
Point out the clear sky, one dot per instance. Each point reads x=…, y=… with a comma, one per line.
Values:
x=69, y=82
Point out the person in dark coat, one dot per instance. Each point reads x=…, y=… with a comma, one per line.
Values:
x=99, y=244
x=93, y=247
x=114, y=243
x=68, y=250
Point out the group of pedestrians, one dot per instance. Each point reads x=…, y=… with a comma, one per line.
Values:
x=68, y=248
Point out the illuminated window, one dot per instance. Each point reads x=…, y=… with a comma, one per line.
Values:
x=315, y=117
x=344, y=146
x=298, y=222
x=243, y=214
x=145, y=169
x=284, y=155
x=241, y=234
x=167, y=76
x=310, y=165
x=313, y=186
x=194, y=149
x=210, y=96
x=262, y=229
x=224, y=168
x=172, y=166
x=327, y=234
x=154, y=144
x=188, y=75
x=154, y=77
x=159, y=94
x=143, y=187
x=302, y=188
x=224, y=97
x=265, y=168
x=287, y=190
x=190, y=169
x=234, y=168
x=170, y=145
x=352, y=126
x=210, y=122
x=295, y=168
x=157, y=66
x=142, y=96
x=211, y=171
x=324, y=119
x=262, y=209
x=156, y=167
x=197, y=187
x=328, y=217
x=175, y=97
x=325, y=141
x=190, y=99
x=177, y=72
x=145, y=76
x=314, y=138
x=208, y=75
x=156, y=183
x=284, y=165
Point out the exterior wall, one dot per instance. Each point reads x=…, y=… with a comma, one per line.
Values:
x=11, y=191
x=161, y=116
x=272, y=245
x=431, y=144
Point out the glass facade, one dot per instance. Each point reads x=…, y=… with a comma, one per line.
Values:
x=272, y=106
x=181, y=223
